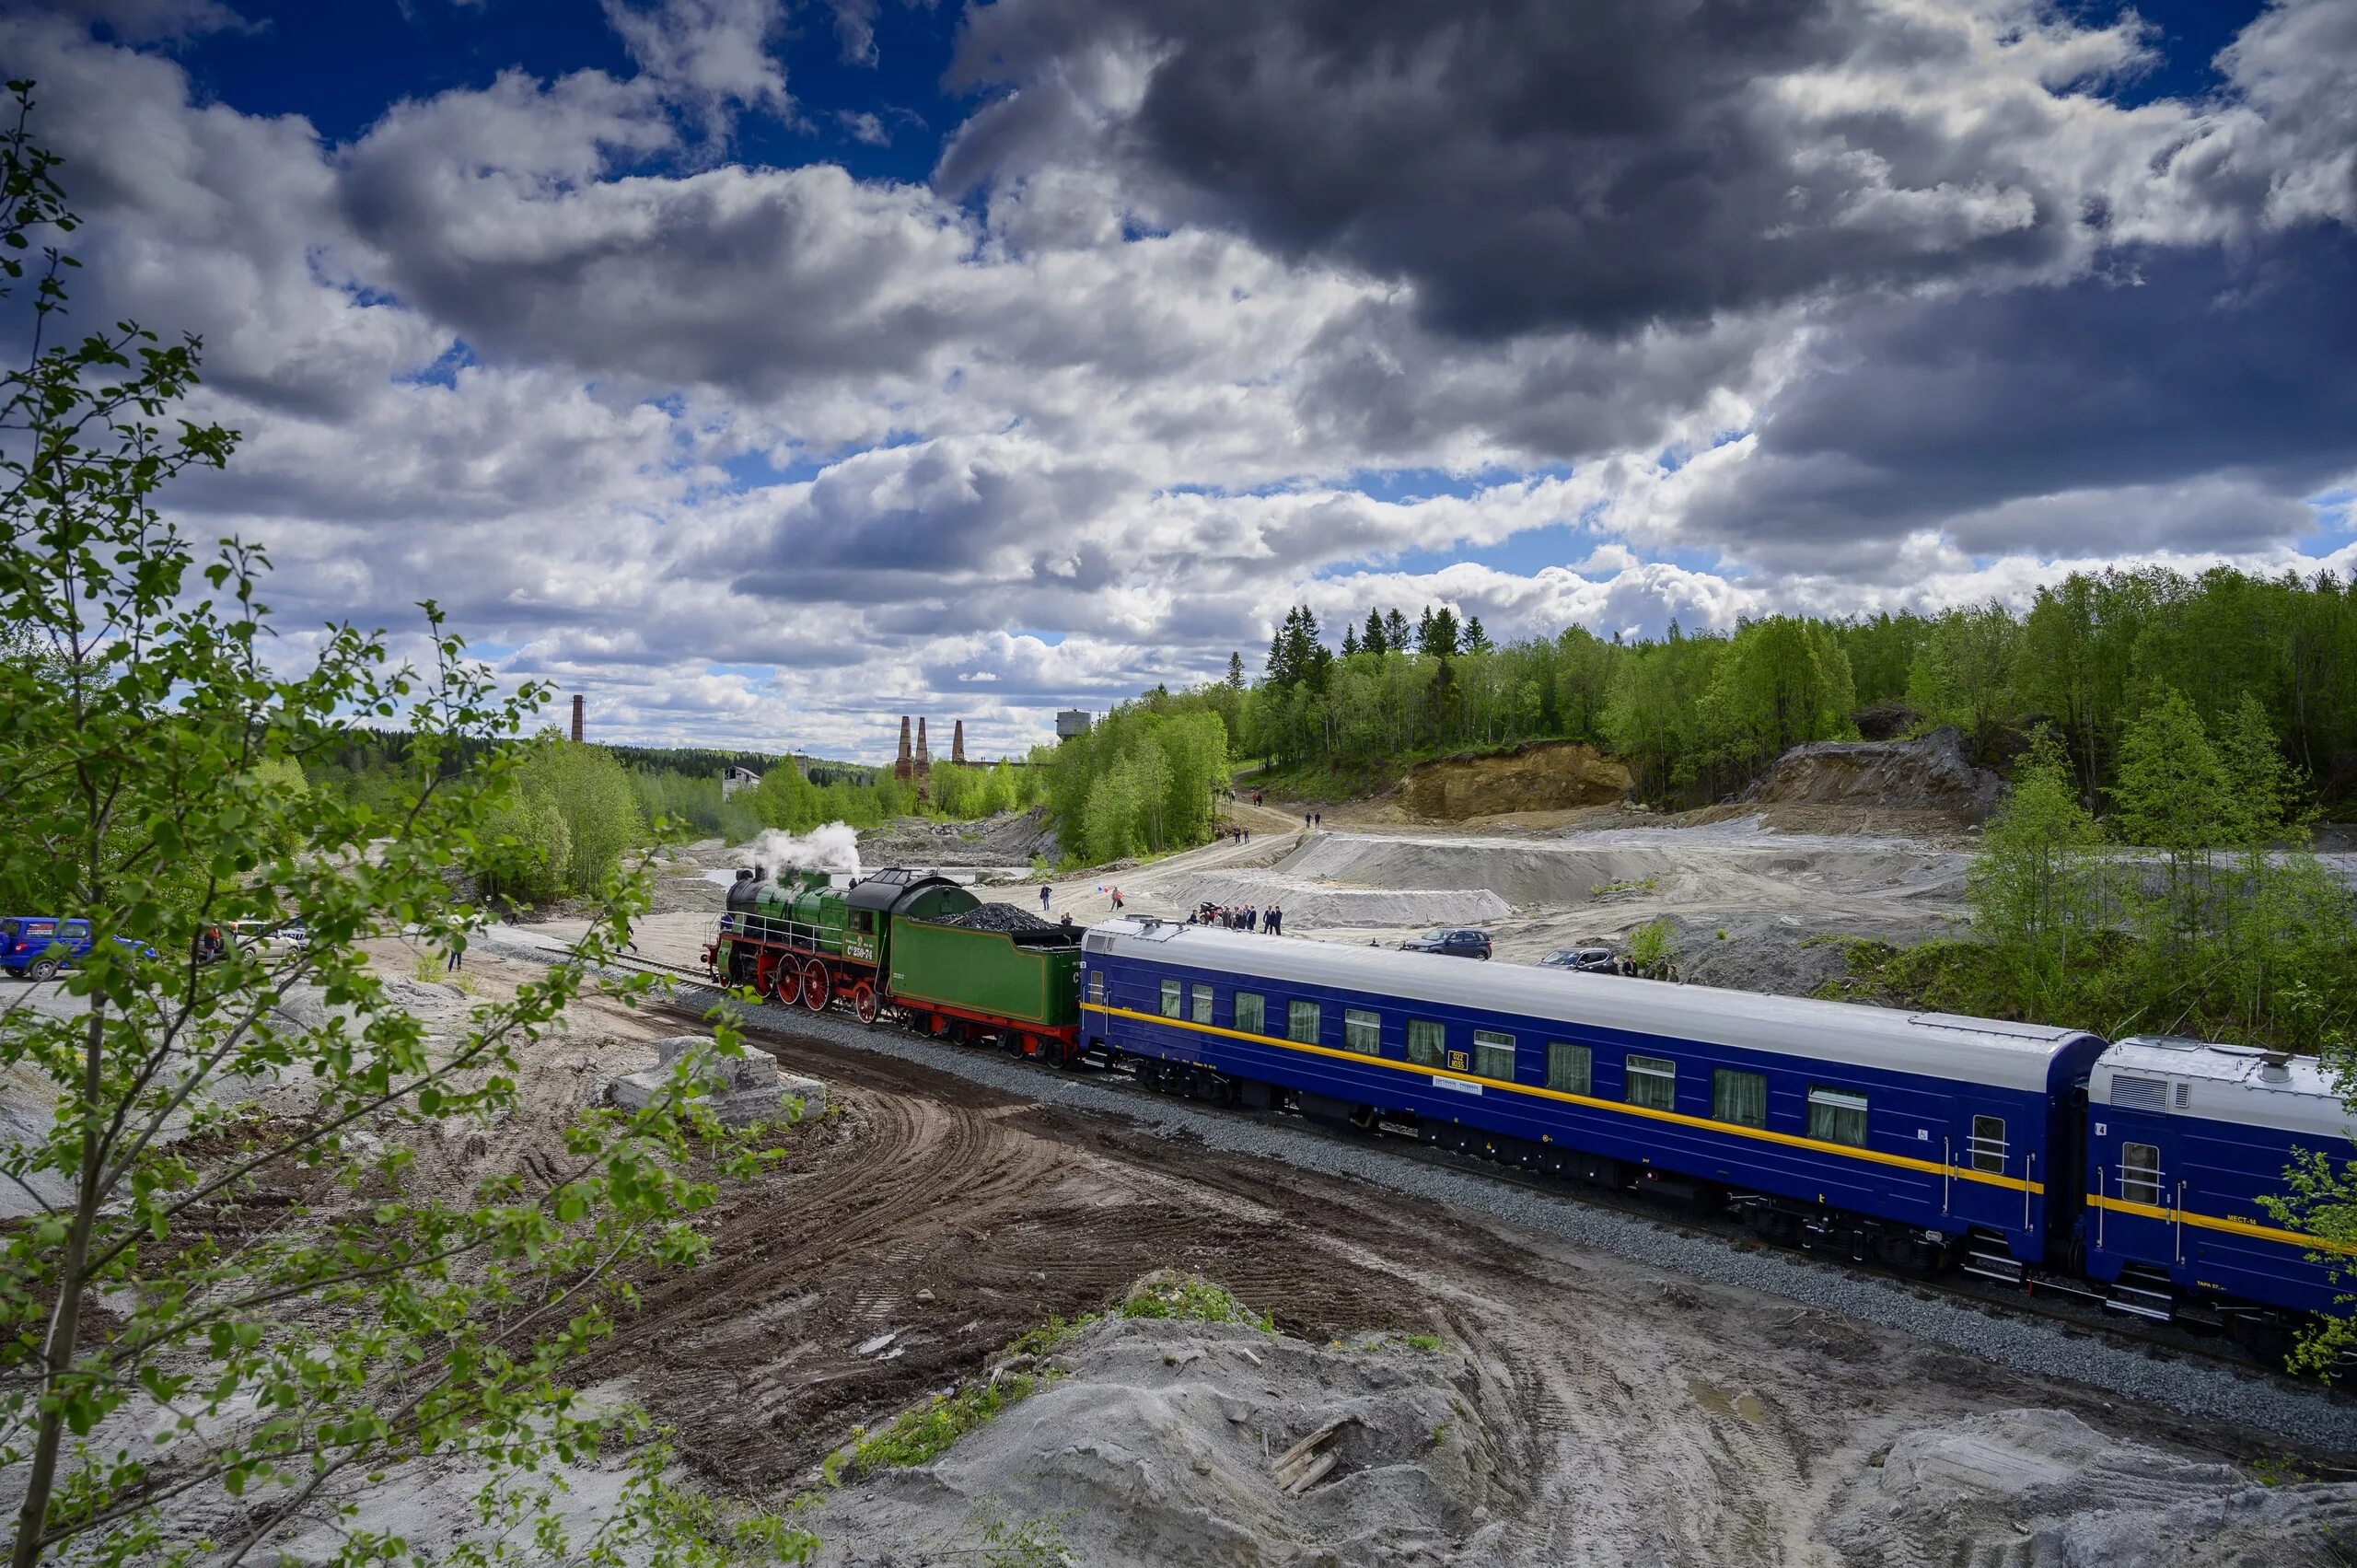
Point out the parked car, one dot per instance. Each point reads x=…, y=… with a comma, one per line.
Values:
x=35, y=948
x=1587, y=960
x=1456, y=944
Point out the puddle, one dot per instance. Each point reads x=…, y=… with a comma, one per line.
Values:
x=1745, y=1406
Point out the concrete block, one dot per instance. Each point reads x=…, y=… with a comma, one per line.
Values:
x=755, y=1090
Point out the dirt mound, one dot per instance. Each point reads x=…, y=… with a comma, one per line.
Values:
x=1157, y=1448
x=1008, y=839
x=1932, y=773
x=1541, y=775
x=2040, y=1486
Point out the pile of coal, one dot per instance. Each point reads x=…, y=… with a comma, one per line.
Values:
x=998, y=917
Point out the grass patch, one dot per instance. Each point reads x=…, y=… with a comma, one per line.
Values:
x=1424, y=1342
x=922, y=1436
x=1189, y=1300
x=1050, y=1336
x=1638, y=885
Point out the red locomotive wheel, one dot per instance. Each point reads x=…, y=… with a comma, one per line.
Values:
x=864, y=1006
x=785, y=983
x=818, y=990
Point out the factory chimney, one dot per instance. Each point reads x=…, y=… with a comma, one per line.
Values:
x=957, y=744
x=904, y=767
x=924, y=763
x=576, y=715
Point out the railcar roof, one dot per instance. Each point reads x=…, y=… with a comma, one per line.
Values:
x=1938, y=1045
x=2228, y=1083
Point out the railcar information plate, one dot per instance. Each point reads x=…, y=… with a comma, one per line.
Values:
x=1459, y=1085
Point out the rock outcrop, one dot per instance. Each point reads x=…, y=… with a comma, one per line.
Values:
x=1541, y=775
x=1930, y=773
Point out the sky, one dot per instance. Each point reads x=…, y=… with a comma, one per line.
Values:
x=768, y=370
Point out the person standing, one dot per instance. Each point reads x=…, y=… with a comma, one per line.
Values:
x=1043, y=898
x=457, y=957
x=1276, y=920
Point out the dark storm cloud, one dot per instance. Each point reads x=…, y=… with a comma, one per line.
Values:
x=1530, y=164
x=2172, y=366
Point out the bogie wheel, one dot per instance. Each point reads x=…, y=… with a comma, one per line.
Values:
x=864, y=1004
x=818, y=989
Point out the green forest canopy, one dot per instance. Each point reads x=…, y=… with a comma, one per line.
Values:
x=1699, y=714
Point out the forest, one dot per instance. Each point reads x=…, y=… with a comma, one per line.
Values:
x=1699, y=714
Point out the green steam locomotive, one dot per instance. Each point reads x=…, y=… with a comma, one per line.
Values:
x=909, y=942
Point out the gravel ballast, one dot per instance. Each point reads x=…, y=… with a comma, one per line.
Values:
x=2309, y=1416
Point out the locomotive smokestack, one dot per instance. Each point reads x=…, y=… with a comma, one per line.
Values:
x=576, y=716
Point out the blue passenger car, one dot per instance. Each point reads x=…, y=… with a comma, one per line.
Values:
x=2183, y=1139
x=1914, y=1136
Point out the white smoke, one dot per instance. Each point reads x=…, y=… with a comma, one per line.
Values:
x=835, y=847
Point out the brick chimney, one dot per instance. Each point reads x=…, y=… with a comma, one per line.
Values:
x=902, y=768
x=957, y=744
x=576, y=715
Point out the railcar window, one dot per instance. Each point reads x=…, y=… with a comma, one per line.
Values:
x=1653, y=1081
x=1426, y=1042
x=1171, y=1000
x=1301, y=1021
x=1097, y=986
x=1740, y=1098
x=1570, y=1068
x=1251, y=1013
x=1493, y=1055
x=1837, y=1116
x=2139, y=1173
x=1203, y=1003
x=1988, y=1143
x=1363, y=1031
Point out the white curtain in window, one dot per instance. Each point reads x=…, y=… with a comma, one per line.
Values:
x=1652, y=1082
x=1837, y=1116
x=1426, y=1040
x=1568, y=1067
x=1740, y=1098
x=1301, y=1021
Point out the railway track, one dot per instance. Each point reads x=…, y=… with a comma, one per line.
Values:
x=1669, y=1214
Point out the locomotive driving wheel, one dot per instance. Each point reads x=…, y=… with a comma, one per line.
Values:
x=864, y=1004
x=818, y=990
x=786, y=982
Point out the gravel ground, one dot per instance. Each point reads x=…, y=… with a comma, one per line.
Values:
x=2315, y=1418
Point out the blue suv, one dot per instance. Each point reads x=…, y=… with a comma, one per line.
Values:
x=35, y=948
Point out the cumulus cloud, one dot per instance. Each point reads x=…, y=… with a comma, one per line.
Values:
x=1214, y=309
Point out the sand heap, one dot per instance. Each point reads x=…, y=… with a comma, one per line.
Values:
x=1161, y=1447
x=2039, y=1486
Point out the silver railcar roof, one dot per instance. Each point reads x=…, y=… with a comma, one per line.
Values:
x=2221, y=1083
x=1937, y=1045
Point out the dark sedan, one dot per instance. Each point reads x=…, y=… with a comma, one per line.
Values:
x=1587, y=960
x=1456, y=944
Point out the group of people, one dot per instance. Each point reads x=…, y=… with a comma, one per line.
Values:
x=1313, y=819
x=1236, y=835
x=1245, y=917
